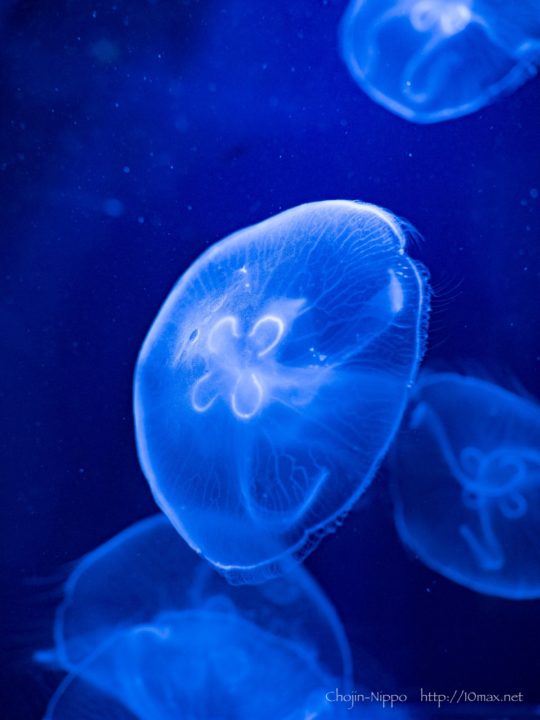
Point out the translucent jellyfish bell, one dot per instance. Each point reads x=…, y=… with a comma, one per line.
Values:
x=273, y=379
x=467, y=484
x=433, y=60
x=148, y=630
x=196, y=665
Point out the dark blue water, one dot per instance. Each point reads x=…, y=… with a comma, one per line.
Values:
x=135, y=135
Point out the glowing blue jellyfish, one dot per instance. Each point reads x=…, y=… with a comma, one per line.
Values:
x=433, y=60
x=147, y=630
x=467, y=483
x=274, y=378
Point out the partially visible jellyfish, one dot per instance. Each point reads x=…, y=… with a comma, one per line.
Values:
x=147, y=630
x=196, y=664
x=467, y=484
x=273, y=380
x=433, y=60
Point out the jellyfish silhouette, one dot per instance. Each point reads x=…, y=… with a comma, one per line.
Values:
x=148, y=630
x=273, y=380
x=433, y=60
x=467, y=484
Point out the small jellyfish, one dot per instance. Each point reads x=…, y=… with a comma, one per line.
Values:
x=148, y=630
x=273, y=380
x=467, y=484
x=434, y=60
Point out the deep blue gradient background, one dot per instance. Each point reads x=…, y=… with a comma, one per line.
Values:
x=196, y=119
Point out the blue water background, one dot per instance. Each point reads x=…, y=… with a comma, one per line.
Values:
x=137, y=134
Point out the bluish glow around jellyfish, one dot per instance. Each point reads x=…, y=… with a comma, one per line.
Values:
x=148, y=630
x=274, y=378
x=433, y=60
x=467, y=484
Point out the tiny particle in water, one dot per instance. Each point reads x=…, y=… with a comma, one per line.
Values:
x=533, y=192
x=126, y=169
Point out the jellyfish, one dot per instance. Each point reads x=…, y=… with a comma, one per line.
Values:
x=434, y=60
x=467, y=484
x=148, y=630
x=273, y=380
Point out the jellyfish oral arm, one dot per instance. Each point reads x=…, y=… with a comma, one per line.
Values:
x=486, y=550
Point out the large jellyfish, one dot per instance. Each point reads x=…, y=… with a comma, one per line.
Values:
x=273, y=380
x=147, y=630
x=433, y=60
x=467, y=484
